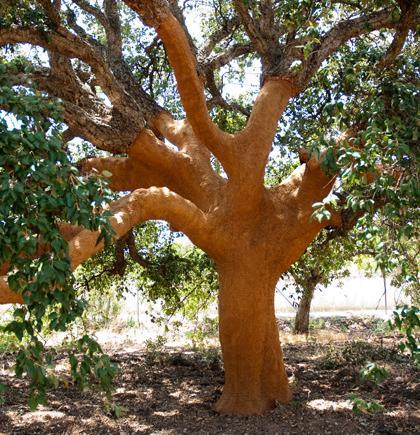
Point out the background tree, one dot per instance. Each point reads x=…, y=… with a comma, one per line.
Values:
x=326, y=260
x=383, y=204
x=253, y=233
x=332, y=254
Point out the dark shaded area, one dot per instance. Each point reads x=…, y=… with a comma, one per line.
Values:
x=173, y=392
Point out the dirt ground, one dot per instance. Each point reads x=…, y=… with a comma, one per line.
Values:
x=171, y=391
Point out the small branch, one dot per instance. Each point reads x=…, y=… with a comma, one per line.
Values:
x=217, y=97
x=120, y=263
x=134, y=254
x=68, y=135
x=69, y=46
x=251, y=27
x=407, y=21
x=113, y=30
x=227, y=56
x=80, y=31
x=339, y=35
x=225, y=31
x=92, y=10
x=52, y=9
x=218, y=100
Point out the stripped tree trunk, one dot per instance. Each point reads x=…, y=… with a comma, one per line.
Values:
x=255, y=376
x=252, y=232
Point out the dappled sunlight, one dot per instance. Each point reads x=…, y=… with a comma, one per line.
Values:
x=166, y=390
x=323, y=405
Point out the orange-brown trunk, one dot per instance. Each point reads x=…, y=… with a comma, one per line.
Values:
x=255, y=377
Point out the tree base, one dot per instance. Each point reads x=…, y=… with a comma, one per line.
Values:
x=237, y=405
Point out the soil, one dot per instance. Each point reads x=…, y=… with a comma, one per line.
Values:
x=171, y=391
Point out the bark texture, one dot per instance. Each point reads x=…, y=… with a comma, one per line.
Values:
x=255, y=377
x=303, y=311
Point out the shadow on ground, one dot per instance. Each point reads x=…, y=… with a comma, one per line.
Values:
x=173, y=392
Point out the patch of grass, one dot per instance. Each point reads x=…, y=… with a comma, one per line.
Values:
x=380, y=326
x=2, y=394
x=316, y=324
x=211, y=357
x=131, y=323
x=355, y=353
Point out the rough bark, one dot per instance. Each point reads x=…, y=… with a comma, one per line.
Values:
x=304, y=308
x=255, y=376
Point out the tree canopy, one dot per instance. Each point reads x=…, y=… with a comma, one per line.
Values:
x=328, y=138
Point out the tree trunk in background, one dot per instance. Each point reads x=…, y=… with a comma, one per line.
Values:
x=255, y=376
x=304, y=308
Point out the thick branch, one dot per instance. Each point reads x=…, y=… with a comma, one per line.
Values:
x=141, y=205
x=190, y=85
x=309, y=184
x=255, y=140
x=7, y=296
x=151, y=163
x=181, y=134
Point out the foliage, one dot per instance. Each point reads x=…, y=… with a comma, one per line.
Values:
x=203, y=330
x=102, y=307
x=406, y=320
x=155, y=350
x=377, y=175
x=182, y=278
x=93, y=365
x=322, y=262
x=361, y=406
x=40, y=189
x=373, y=372
x=8, y=341
x=185, y=282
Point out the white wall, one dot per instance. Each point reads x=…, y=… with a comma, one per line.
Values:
x=355, y=293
